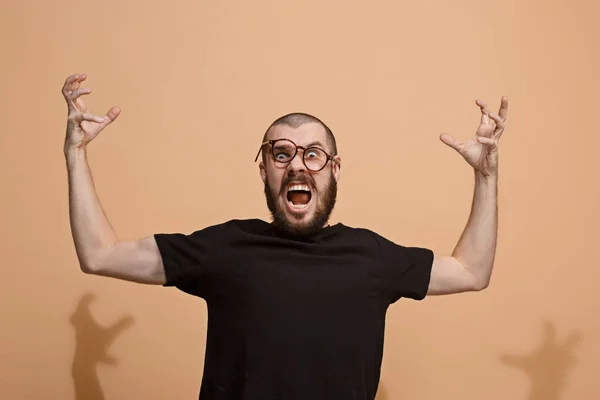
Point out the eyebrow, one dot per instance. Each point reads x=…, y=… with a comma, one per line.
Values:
x=315, y=143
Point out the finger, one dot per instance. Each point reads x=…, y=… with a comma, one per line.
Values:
x=74, y=95
x=66, y=89
x=451, y=141
x=503, y=112
x=72, y=83
x=487, y=141
x=498, y=120
x=77, y=117
x=80, y=78
x=77, y=81
x=481, y=103
x=73, y=78
x=111, y=115
x=499, y=126
x=484, y=112
x=93, y=118
x=70, y=79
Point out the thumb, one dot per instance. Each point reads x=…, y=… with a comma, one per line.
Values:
x=450, y=141
x=111, y=115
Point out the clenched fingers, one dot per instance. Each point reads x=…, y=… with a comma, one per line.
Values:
x=79, y=117
x=503, y=112
x=485, y=120
x=71, y=86
x=79, y=92
x=499, y=125
x=493, y=143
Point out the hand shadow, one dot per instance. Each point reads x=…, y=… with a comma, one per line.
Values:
x=92, y=342
x=548, y=365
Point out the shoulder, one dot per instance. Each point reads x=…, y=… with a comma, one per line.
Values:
x=231, y=227
x=217, y=230
x=362, y=235
x=358, y=231
x=381, y=242
x=212, y=237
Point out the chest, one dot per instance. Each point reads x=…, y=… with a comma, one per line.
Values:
x=294, y=296
x=291, y=276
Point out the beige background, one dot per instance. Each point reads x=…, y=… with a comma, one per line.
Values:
x=198, y=83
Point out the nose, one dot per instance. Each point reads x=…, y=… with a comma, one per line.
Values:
x=296, y=165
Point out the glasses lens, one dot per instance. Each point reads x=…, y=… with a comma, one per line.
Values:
x=315, y=159
x=283, y=150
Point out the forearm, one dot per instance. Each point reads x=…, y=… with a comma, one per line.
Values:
x=476, y=248
x=90, y=227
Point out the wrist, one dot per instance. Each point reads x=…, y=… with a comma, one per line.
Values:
x=486, y=184
x=73, y=154
x=486, y=177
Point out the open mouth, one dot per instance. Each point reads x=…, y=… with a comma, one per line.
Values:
x=298, y=196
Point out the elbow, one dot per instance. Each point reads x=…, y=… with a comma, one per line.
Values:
x=476, y=278
x=93, y=263
x=481, y=284
x=87, y=269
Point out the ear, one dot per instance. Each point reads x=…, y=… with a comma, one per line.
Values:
x=337, y=168
x=263, y=171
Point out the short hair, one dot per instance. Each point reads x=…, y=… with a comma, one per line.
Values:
x=294, y=120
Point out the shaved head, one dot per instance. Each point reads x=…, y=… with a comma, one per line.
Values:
x=295, y=120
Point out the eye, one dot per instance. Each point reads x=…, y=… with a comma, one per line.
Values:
x=315, y=152
x=283, y=153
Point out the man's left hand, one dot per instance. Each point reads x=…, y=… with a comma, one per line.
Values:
x=481, y=151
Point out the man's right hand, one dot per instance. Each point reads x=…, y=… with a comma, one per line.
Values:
x=82, y=126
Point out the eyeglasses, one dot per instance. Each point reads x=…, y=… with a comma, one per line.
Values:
x=284, y=150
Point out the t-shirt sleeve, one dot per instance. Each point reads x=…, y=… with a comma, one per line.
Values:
x=409, y=269
x=187, y=260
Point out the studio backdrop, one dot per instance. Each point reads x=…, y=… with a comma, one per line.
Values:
x=198, y=83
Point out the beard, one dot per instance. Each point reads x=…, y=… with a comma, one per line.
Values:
x=325, y=202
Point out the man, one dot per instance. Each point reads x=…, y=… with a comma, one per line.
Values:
x=296, y=307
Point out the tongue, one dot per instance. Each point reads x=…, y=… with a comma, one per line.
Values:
x=299, y=197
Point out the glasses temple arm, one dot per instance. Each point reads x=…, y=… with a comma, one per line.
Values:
x=260, y=148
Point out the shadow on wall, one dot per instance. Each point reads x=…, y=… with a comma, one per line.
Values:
x=92, y=342
x=548, y=365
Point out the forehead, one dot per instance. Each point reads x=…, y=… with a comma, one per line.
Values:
x=304, y=134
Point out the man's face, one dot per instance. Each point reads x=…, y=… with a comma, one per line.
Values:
x=300, y=200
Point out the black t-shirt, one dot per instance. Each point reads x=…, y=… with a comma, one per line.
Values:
x=293, y=319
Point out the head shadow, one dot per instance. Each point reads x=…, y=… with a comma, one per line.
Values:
x=92, y=342
x=549, y=364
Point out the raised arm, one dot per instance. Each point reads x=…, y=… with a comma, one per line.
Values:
x=469, y=268
x=98, y=248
